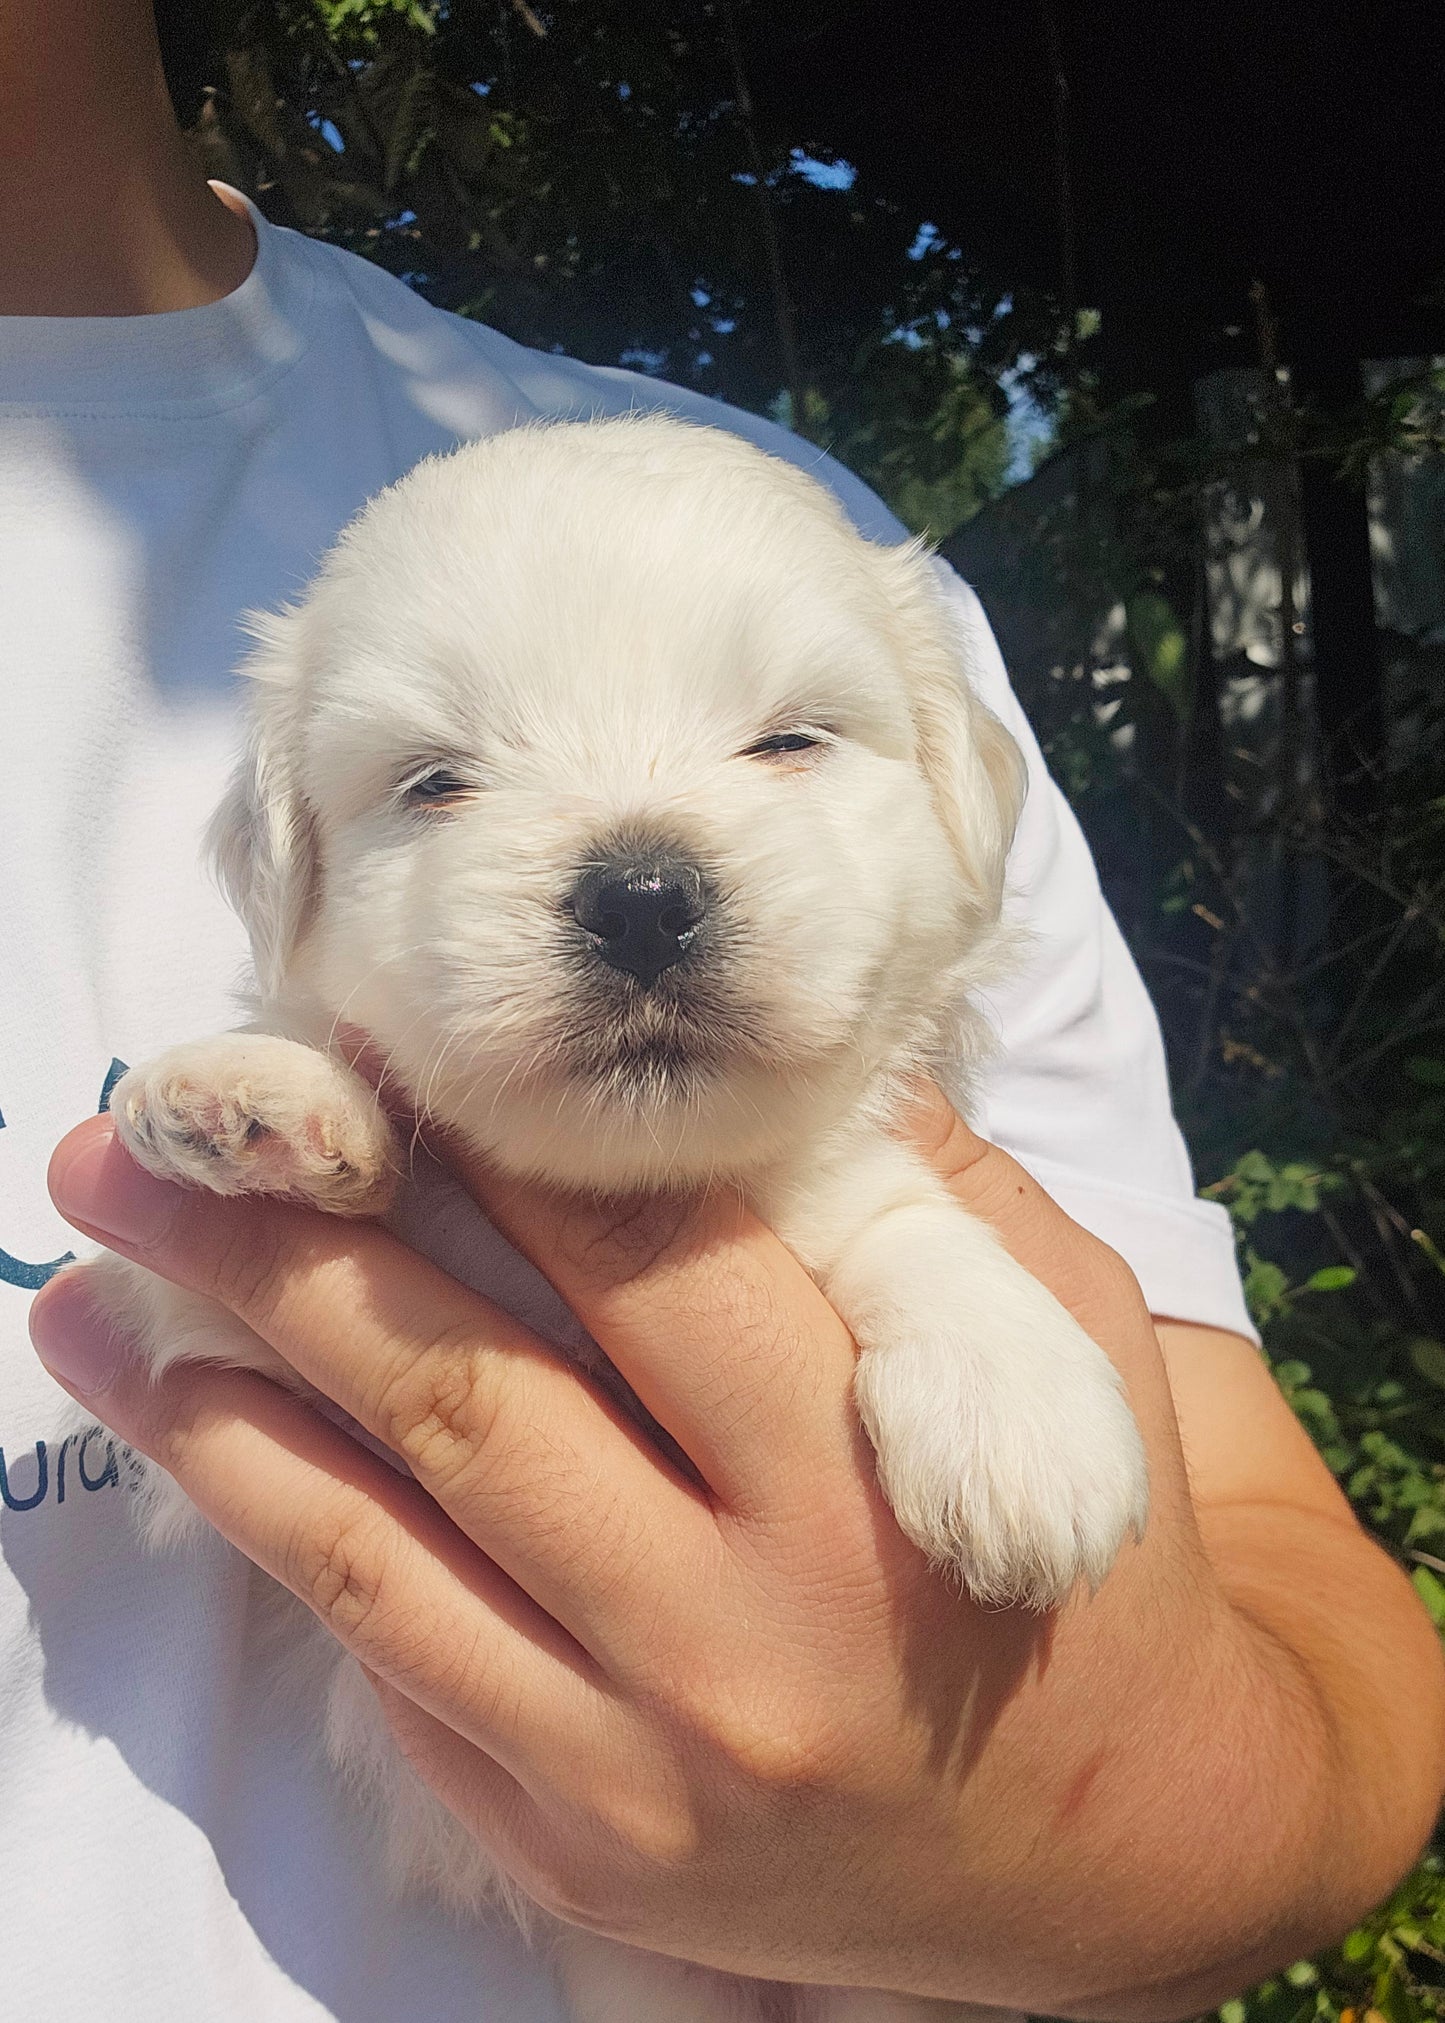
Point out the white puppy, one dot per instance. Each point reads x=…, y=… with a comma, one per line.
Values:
x=643, y=816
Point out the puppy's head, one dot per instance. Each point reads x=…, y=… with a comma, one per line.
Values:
x=630, y=801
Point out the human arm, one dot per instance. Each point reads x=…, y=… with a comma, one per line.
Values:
x=744, y=1724
x=1290, y=1556
x=1352, y=1761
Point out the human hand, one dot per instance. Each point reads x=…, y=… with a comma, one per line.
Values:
x=734, y=1717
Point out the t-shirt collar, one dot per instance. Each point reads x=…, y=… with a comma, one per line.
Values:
x=177, y=362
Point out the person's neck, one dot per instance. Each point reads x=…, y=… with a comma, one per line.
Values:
x=104, y=208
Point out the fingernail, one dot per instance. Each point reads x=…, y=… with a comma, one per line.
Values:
x=100, y=1185
x=76, y=1343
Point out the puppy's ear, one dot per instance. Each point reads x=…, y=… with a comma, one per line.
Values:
x=974, y=768
x=262, y=838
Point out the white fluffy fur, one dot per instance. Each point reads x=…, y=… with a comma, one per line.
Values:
x=591, y=623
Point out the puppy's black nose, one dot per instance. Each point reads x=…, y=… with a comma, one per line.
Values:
x=643, y=916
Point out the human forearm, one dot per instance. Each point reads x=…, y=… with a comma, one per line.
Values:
x=1266, y=1785
x=1221, y=1800
x=1354, y=1760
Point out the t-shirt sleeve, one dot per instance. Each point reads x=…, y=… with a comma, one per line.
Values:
x=1079, y=1090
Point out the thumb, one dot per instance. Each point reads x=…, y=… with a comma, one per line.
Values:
x=985, y=1179
x=1082, y=1272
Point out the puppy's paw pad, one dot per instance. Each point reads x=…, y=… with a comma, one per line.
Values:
x=1019, y=1497
x=251, y=1114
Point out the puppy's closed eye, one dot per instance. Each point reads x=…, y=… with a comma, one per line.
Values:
x=789, y=747
x=437, y=786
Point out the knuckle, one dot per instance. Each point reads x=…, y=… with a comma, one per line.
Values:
x=652, y=1837
x=570, y=1883
x=339, y=1572
x=166, y=1436
x=780, y=1758
x=624, y=1852
x=955, y=1149
x=246, y=1267
x=762, y=1743
x=1110, y=1279
x=1098, y=1287
x=437, y=1412
x=624, y=1244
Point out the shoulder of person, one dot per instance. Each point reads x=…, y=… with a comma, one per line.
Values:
x=552, y=385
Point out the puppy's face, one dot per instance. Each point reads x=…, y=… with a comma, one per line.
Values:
x=625, y=797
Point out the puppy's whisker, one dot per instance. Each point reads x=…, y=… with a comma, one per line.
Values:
x=397, y=955
x=385, y=1074
x=426, y=1080
x=450, y=1042
x=520, y=1068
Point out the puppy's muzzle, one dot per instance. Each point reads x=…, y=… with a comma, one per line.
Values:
x=641, y=915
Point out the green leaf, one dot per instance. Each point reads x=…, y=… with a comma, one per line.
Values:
x=1293, y=1186
x=1265, y=1286
x=1160, y=647
x=1431, y=1590
x=1428, y=1357
x=1396, y=2002
x=1430, y=1073
x=1331, y=1278
x=1312, y=1404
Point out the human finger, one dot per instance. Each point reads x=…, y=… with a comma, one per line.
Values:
x=1078, y=1268
x=525, y=1456
x=718, y=1328
x=362, y=1546
x=721, y=1333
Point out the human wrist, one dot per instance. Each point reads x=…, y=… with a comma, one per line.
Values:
x=1154, y=1775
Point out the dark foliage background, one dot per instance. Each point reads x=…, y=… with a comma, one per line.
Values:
x=594, y=176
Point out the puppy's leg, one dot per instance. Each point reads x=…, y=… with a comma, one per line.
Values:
x=249, y=1113
x=1005, y=1443
x=244, y=1113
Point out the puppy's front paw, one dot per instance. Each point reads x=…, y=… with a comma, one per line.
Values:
x=247, y=1113
x=1016, y=1464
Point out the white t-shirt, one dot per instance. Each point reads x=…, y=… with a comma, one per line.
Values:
x=171, y=1846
